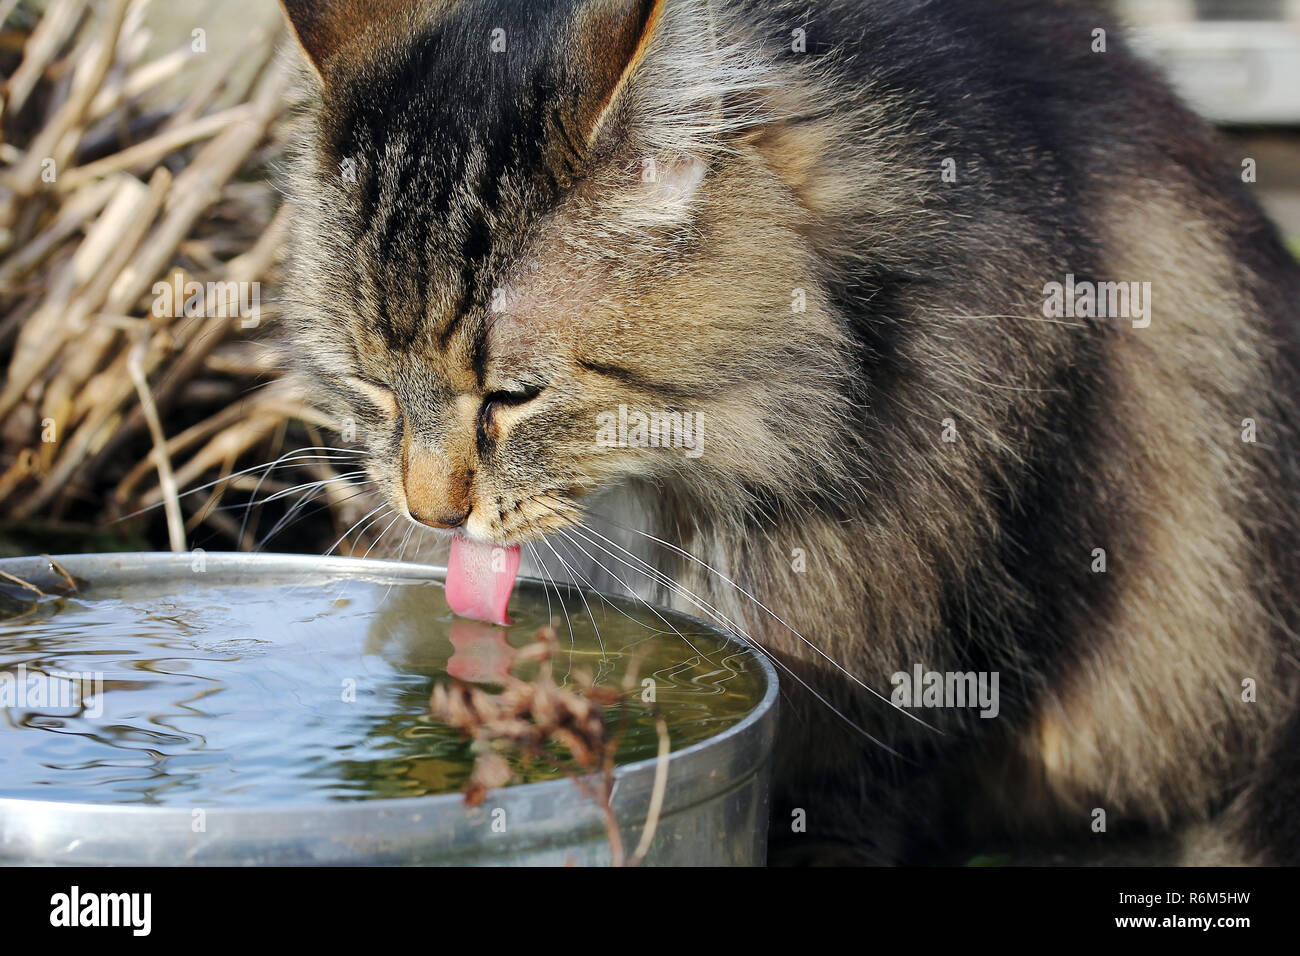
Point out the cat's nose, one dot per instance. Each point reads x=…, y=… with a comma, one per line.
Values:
x=438, y=493
x=446, y=522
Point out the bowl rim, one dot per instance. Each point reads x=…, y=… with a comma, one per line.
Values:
x=755, y=731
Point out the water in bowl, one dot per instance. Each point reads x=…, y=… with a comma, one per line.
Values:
x=190, y=691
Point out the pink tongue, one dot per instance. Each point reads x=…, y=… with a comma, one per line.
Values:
x=480, y=578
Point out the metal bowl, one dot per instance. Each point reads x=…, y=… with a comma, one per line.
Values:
x=715, y=811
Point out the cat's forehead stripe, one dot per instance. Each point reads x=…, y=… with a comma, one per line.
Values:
x=457, y=151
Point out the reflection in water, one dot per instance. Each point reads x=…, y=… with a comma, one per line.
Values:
x=482, y=654
x=279, y=692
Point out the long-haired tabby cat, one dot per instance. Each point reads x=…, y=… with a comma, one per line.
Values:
x=990, y=351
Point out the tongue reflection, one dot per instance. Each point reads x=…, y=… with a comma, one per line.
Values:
x=480, y=578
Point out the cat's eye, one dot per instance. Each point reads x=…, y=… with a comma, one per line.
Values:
x=380, y=395
x=511, y=398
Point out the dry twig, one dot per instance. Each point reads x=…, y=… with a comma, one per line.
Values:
x=106, y=191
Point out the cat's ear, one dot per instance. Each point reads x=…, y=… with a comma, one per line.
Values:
x=325, y=27
x=320, y=27
x=610, y=41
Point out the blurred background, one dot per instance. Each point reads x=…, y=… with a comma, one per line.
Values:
x=1238, y=63
x=141, y=144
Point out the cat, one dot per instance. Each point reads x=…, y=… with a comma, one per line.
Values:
x=991, y=353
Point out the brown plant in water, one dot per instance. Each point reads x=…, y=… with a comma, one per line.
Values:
x=529, y=716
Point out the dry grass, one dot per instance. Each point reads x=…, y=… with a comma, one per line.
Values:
x=106, y=406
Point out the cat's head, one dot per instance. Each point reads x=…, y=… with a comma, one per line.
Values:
x=530, y=227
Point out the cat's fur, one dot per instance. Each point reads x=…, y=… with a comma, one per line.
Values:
x=500, y=236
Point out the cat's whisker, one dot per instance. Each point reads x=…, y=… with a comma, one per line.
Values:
x=294, y=513
x=537, y=559
x=635, y=596
x=306, y=498
x=256, y=488
x=541, y=567
x=401, y=555
x=573, y=574
x=321, y=484
x=733, y=627
x=278, y=463
x=382, y=507
x=306, y=492
x=228, y=509
x=363, y=490
x=774, y=616
x=374, y=544
x=742, y=634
